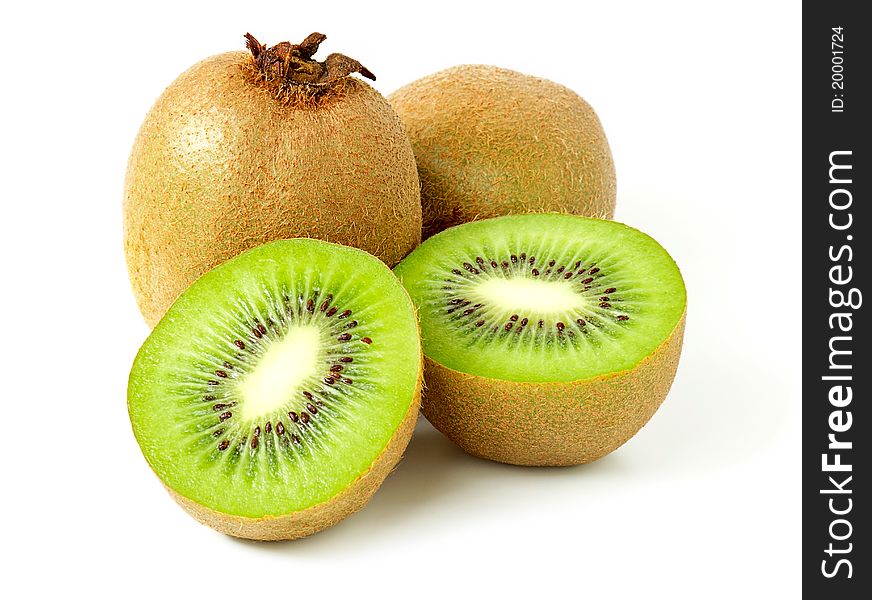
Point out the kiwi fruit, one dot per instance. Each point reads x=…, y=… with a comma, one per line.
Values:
x=491, y=142
x=549, y=339
x=280, y=389
x=252, y=146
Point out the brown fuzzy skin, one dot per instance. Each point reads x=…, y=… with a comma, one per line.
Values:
x=314, y=519
x=491, y=142
x=221, y=165
x=549, y=424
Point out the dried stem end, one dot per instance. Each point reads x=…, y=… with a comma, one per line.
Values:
x=292, y=66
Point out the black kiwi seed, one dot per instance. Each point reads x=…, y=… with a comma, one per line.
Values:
x=580, y=322
x=560, y=326
x=351, y=324
x=532, y=259
x=551, y=263
x=268, y=427
x=222, y=374
x=366, y=340
x=505, y=264
x=494, y=264
x=524, y=322
x=308, y=395
x=256, y=333
x=457, y=271
x=514, y=259
x=541, y=323
x=513, y=318
x=535, y=272
x=280, y=428
x=304, y=417
x=346, y=380
x=294, y=416
x=508, y=326
x=208, y=398
x=310, y=305
x=479, y=323
x=623, y=318
x=479, y=260
x=610, y=290
x=594, y=270
x=346, y=359
x=567, y=275
x=561, y=269
x=332, y=311
x=218, y=433
x=225, y=415
x=223, y=445
x=239, y=344
x=311, y=408
x=344, y=337
x=344, y=314
x=211, y=382
x=468, y=311
x=334, y=369
x=295, y=438
x=588, y=280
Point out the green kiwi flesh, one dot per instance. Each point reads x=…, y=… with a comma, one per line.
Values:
x=277, y=380
x=543, y=298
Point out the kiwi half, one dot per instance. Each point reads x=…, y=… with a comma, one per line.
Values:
x=491, y=141
x=280, y=389
x=548, y=339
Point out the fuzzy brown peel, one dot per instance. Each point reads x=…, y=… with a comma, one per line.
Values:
x=553, y=424
x=221, y=165
x=491, y=142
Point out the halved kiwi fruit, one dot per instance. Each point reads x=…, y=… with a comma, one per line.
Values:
x=549, y=339
x=280, y=389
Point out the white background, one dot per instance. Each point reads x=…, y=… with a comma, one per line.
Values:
x=701, y=104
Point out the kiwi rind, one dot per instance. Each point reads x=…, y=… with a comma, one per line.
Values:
x=220, y=165
x=549, y=424
x=491, y=141
x=242, y=271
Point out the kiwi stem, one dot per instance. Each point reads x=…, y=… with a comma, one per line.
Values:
x=292, y=64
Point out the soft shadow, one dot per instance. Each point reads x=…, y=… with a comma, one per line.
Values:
x=725, y=409
x=433, y=472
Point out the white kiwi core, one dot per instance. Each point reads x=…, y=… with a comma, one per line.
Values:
x=280, y=372
x=522, y=294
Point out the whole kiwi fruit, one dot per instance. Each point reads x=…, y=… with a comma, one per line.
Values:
x=491, y=141
x=251, y=146
x=549, y=339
